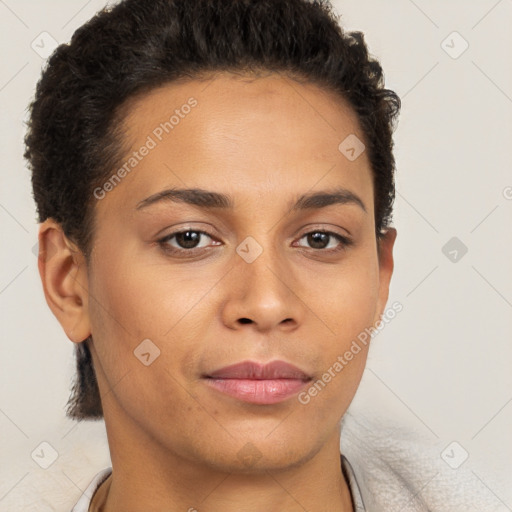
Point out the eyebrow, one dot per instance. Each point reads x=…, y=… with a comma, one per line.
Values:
x=208, y=199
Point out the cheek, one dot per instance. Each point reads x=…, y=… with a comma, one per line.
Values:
x=134, y=304
x=348, y=299
x=133, y=300
x=347, y=309
x=348, y=312
x=141, y=296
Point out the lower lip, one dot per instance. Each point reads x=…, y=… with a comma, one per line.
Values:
x=254, y=391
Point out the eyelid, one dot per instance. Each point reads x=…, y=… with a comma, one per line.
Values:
x=326, y=228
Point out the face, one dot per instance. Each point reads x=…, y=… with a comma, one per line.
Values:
x=185, y=284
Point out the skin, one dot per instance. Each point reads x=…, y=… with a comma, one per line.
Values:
x=175, y=443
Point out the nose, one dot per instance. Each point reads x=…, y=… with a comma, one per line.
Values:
x=263, y=294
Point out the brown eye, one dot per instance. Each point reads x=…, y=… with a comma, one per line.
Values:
x=185, y=241
x=326, y=241
x=318, y=240
x=188, y=239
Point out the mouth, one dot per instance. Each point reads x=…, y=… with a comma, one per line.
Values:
x=257, y=383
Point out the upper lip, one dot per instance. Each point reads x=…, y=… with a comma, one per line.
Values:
x=259, y=371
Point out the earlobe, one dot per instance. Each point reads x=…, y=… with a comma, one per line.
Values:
x=63, y=274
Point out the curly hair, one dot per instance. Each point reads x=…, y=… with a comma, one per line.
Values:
x=74, y=138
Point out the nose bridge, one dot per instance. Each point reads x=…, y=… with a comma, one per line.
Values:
x=261, y=264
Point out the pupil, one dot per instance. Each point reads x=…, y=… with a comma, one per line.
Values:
x=320, y=238
x=188, y=239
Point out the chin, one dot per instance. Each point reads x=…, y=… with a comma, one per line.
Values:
x=258, y=454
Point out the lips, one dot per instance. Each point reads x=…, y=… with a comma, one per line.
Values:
x=257, y=383
x=258, y=371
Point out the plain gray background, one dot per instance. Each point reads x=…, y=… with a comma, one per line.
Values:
x=440, y=371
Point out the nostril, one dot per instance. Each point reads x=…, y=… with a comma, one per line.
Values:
x=245, y=320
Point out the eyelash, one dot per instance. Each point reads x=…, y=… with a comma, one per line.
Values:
x=163, y=242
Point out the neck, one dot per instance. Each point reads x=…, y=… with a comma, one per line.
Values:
x=149, y=477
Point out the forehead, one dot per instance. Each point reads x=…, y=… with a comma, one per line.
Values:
x=231, y=102
x=239, y=133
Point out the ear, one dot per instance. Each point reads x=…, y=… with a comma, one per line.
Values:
x=63, y=273
x=385, y=253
